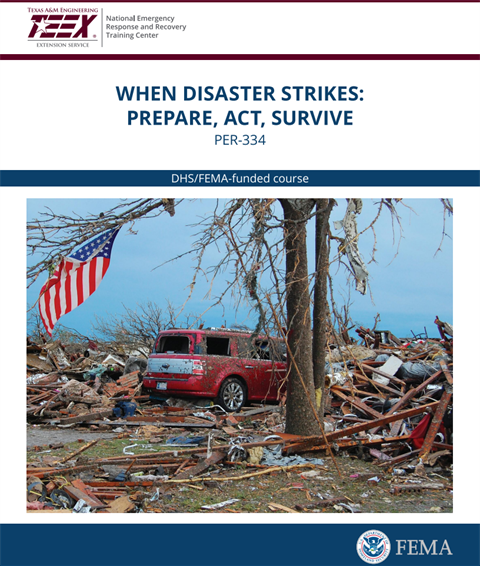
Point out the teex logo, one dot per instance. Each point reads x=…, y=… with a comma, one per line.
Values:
x=55, y=27
x=413, y=547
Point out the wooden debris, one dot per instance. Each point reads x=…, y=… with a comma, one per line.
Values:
x=309, y=442
x=329, y=502
x=121, y=505
x=252, y=475
x=202, y=466
x=364, y=413
x=79, y=451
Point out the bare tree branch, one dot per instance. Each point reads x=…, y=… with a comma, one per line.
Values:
x=53, y=236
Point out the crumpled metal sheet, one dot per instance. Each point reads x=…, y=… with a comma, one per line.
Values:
x=237, y=453
x=273, y=457
x=349, y=225
x=448, y=328
x=221, y=504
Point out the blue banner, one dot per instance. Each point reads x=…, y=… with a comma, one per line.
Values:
x=239, y=178
x=239, y=545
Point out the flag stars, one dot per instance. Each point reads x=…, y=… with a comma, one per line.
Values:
x=59, y=284
x=99, y=247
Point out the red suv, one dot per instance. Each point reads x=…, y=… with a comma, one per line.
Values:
x=223, y=364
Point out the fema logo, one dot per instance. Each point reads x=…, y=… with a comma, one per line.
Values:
x=373, y=547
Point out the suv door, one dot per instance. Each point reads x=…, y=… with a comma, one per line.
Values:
x=269, y=368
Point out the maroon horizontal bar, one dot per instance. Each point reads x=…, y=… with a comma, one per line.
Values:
x=258, y=1
x=240, y=57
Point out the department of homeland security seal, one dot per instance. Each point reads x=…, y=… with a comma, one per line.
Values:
x=373, y=547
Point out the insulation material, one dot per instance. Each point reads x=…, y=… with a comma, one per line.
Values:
x=349, y=225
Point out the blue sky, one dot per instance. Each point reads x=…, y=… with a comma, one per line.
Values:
x=407, y=290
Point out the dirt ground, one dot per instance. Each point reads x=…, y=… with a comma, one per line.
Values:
x=38, y=436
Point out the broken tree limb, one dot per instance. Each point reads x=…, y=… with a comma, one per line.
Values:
x=246, y=476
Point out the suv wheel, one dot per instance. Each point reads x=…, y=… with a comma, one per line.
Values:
x=233, y=395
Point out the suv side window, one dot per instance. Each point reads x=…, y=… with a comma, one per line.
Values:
x=262, y=350
x=259, y=350
x=278, y=350
x=244, y=348
x=218, y=346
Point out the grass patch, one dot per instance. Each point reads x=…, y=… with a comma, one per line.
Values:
x=288, y=489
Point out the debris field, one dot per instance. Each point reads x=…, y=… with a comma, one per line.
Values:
x=387, y=437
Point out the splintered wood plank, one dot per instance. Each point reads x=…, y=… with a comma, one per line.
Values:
x=446, y=372
x=410, y=395
x=165, y=424
x=278, y=507
x=78, y=483
x=78, y=494
x=392, y=378
x=435, y=424
x=201, y=466
x=121, y=505
x=86, y=417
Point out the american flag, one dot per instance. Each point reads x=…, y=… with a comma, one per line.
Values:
x=75, y=278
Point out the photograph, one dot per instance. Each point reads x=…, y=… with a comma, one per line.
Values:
x=246, y=355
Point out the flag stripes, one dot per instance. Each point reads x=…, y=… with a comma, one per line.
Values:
x=74, y=280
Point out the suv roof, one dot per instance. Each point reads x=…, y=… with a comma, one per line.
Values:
x=216, y=329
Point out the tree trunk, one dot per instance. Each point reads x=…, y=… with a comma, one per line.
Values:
x=300, y=417
x=320, y=304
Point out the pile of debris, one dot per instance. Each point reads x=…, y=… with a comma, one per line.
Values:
x=388, y=401
x=154, y=461
x=400, y=392
x=67, y=388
